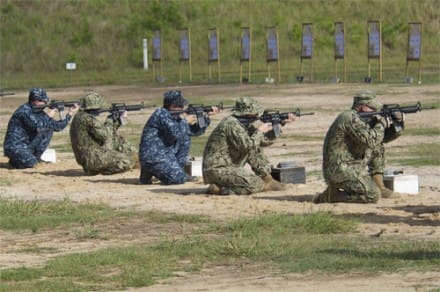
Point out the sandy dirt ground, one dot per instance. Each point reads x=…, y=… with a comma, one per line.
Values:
x=414, y=217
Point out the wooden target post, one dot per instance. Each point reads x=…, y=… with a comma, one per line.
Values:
x=246, y=52
x=374, y=47
x=340, y=49
x=213, y=51
x=185, y=51
x=157, y=53
x=272, y=52
x=306, y=50
x=414, y=48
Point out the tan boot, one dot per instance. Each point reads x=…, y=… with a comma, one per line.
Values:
x=386, y=193
x=216, y=190
x=272, y=185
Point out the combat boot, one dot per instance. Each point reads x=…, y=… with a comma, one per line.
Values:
x=272, y=185
x=216, y=190
x=330, y=195
x=145, y=177
x=385, y=192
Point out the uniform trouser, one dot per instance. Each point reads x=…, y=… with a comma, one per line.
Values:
x=171, y=171
x=236, y=179
x=356, y=180
x=109, y=162
x=358, y=186
x=27, y=157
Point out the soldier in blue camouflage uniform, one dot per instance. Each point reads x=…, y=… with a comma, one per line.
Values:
x=354, y=155
x=166, y=141
x=236, y=141
x=97, y=146
x=29, y=133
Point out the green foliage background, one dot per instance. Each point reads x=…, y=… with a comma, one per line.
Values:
x=104, y=37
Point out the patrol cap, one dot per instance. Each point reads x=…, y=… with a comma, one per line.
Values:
x=174, y=97
x=247, y=106
x=368, y=98
x=38, y=94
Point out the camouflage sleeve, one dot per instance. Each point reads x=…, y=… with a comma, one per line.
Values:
x=97, y=130
x=240, y=138
x=363, y=132
x=268, y=138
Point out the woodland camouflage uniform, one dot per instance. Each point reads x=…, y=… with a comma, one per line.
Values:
x=231, y=146
x=97, y=146
x=353, y=151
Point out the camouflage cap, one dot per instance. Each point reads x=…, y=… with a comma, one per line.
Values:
x=92, y=101
x=174, y=97
x=368, y=98
x=247, y=106
x=38, y=94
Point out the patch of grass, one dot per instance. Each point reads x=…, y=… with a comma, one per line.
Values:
x=315, y=173
x=38, y=250
x=87, y=231
x=198, y=145
x=21, y=214
x=297, y=137
x=422, y=132
x=292, y=243
x=34, y=215
x=298, y=153
x=416, y=155
x=4, y=182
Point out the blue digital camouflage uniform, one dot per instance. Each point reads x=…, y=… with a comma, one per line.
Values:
x=97, y=146
x=165, y=145
x=352, y=152
x=28, y=135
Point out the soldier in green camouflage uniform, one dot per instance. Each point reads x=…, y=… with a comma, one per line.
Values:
x=234, y=143
x=354, y=155
x=98, y=148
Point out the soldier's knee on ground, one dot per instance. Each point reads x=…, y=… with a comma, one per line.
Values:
x=331, y=195
x=216, y=190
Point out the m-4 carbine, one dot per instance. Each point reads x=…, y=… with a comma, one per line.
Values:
x=390, y=110
x=60, y=105
x=276, y=118
x=117, y=109
x=394, y=113
x=199, y=111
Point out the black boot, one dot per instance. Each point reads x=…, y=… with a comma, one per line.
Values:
x=145, y=177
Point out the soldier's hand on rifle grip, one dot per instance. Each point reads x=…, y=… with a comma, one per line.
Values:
x=290, y=118
x=191, y=119
x=215, y=110
x=123, y=115
x=385, y=121
x=74, y=109
x=399, y=116
x=265, y=127
x=51, y=112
